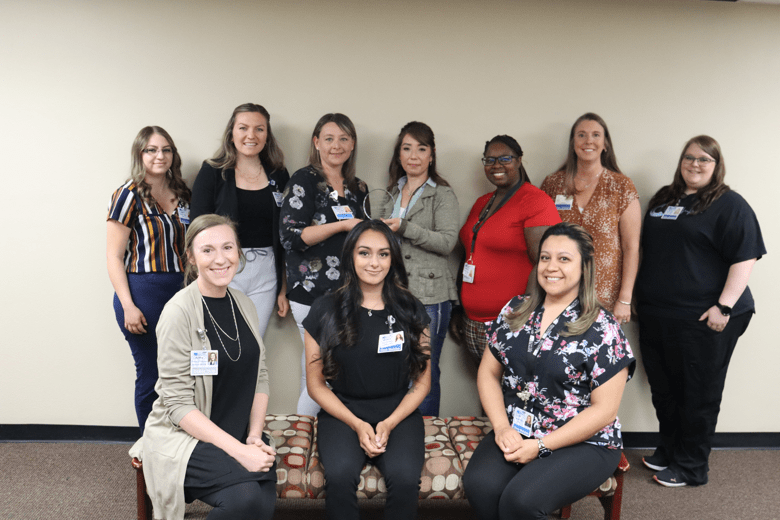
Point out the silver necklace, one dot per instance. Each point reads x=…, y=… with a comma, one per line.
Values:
x=235, y=322
x=593, y=179
x=370, y=310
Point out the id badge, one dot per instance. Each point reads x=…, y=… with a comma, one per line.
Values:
x=204, y=362
x=278, y=197
x=672, y=212
x=522, y=422
x=343, y=212
x=563, y=203
x=184, y=215
x=468, y=272
x=393, y=342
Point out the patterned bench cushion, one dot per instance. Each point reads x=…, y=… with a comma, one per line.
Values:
x=440, y=477
x=292, y=436
x=465, y=433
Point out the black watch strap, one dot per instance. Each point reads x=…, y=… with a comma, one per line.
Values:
x=726, y=311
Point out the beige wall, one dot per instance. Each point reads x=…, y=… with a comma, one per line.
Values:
x=79, y=79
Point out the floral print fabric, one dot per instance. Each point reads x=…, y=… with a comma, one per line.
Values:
x=309, y=201
x=601, y=218
x=567, y=370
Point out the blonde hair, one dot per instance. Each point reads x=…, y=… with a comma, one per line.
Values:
x=200, y=224
x=517, y=317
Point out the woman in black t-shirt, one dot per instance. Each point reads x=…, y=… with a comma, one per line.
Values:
x=368, y=383
x=700, y=243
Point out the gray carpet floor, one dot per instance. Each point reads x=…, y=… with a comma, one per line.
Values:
x=49, y=481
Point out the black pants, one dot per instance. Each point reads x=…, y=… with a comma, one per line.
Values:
x=686, y=364
x=245, y=501
x=497, y=489
x=343, y=459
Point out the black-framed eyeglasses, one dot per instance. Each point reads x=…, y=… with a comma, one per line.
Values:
x=704, y=161
x=504, y=159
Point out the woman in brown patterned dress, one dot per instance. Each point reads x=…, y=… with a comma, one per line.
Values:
x=590, y=190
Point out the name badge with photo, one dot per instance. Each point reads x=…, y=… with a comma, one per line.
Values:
x=278, y=197
x=204, y=362
x=672, y=212
x=468, y=272
x=522, y=421
x=393, y=342
x=563, y=203
x=343, y=212
x=184, y=215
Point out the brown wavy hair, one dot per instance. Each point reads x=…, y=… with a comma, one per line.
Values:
x=707, y=195
x=271, y=156
x=138, y=172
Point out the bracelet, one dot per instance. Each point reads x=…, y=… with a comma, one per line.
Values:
x=624, y=303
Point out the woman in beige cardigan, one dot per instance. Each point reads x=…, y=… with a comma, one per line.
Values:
x=203, y=439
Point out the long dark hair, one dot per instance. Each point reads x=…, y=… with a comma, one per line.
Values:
x=513, y=145
x=707, y=195
x=608, y=158
x=423, y=134
x=341, y=323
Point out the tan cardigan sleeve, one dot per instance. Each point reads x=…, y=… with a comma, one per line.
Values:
x=176, y=387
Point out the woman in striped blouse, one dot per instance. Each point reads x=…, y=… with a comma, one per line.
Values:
x=147, y=219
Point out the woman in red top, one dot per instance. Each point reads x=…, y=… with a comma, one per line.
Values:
x=501, y=237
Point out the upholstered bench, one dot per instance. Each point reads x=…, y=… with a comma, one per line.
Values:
x=449, y=445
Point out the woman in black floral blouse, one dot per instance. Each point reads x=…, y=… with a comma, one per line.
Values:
x=551, y=382
x=322, y=203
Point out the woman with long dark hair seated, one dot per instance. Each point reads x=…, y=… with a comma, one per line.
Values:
x=550, y=381
x=368, y=367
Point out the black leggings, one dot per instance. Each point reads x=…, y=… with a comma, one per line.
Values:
x=244, y=501
x=497, y=489
x=343, y=459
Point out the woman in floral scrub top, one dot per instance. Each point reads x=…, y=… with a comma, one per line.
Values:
x=557, y=360
x=322, y=202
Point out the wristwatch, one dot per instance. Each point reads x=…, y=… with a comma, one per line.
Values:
x=543, y=450
x=726, y=311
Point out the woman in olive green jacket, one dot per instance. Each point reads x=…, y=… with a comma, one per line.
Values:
x=424, y=213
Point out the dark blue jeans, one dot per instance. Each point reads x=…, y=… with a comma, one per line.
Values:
x=150, y=293
x=440, y=322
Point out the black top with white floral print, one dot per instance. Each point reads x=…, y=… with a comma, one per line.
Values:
x=309, y=201
x=567, y=369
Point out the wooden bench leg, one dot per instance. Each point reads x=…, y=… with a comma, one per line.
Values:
x=566, y=511
x=144, y=503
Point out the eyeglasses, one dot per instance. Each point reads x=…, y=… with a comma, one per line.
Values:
x=704, y=161
x=155, y=151
x=504, y=159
